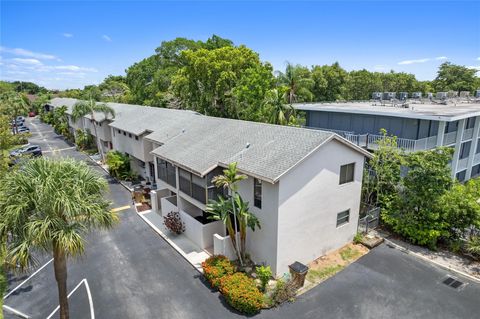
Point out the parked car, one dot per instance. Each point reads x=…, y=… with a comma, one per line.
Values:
x=31, y=114
x=23, y=129
x=21, y=118
x=33, y=150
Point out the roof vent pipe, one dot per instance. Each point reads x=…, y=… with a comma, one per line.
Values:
x=248, y=145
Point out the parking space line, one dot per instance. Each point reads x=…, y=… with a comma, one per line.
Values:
x=118, y=209
x=89, y=295
x=15, y=312
x=23, y=282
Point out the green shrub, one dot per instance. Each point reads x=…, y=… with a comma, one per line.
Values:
x=118, y=164
x=473, y=246
x=284, y=291
x=264, y=273
x=215, y=268
x=241, y=293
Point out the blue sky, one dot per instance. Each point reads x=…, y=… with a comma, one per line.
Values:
x=67, y=44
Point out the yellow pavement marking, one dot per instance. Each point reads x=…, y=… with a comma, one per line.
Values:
x=114, y=210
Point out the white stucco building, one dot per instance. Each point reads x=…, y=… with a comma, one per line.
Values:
x=303, y=185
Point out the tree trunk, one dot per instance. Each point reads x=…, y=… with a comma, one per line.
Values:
x=236, y=232
x=60, y=268
x=100, y=149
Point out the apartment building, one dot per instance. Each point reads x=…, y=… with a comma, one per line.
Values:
x=418, y=124
x=304, y=185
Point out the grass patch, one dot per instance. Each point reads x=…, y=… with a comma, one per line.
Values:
x=348, y=254
x=324, y=273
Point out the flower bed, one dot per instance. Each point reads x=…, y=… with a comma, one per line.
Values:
x=241, y=293
x=216, y=267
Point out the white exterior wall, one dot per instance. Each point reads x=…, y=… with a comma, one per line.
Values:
x=310, y=198
x=130, y=145
x=262, y=243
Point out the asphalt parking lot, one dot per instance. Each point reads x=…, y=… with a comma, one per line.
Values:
x=130, y=272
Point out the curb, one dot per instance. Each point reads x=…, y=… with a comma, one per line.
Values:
x=407, y=251
x=165, y=237
x=106, y=171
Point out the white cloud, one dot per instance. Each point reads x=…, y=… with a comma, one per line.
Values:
x=67, y=35
x=438, y=58
x=406, y=62
x=73, y=68
x=478, y=58
x=106, y=38
x=474, y=67
x=27, y=61
x=27, y=53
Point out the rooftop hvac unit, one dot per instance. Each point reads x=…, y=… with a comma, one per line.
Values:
x=477, y=93
x=388, y=95
x=464, y=94
x=417, y=95
x=451, y=94
x=403, y=96
x=442, y=95
x=377, y=95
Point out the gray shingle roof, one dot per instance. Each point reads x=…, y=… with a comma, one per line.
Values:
x=200, y=143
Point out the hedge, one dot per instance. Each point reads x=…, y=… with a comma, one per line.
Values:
x=241, y=293
x=216, y=267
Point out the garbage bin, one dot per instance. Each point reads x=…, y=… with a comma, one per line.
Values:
x=298, y=272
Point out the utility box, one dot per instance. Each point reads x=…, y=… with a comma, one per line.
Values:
x=298, y=271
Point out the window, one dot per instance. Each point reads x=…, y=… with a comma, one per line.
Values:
x=129, y=135
x=476, y=170
x=124, y=133
x=257, y=193
x=166, y=172
x=136, y=137
x=343, y=218
x=470, y=123
x=461, y=176
x=119, y=132
x=478, y=146
x=465, y=149
x=347, y=173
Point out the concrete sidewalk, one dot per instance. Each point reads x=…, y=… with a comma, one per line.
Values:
x=185, y=247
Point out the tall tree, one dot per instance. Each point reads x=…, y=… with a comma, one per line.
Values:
x=210, y=80
x=331, y=83
x=229, y=180
x=36, y=220
x=280, y=112
x=455, y=77
x=13, y=104
x=298, y=82
x=90, y=107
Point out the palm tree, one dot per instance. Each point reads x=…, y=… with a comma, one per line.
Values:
x=82, y=108
x=298, y=81
x=221, y=209
x=48, y=206
x=13, y=104
x=282, y=113
x=229, y=181
x=246, y=220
